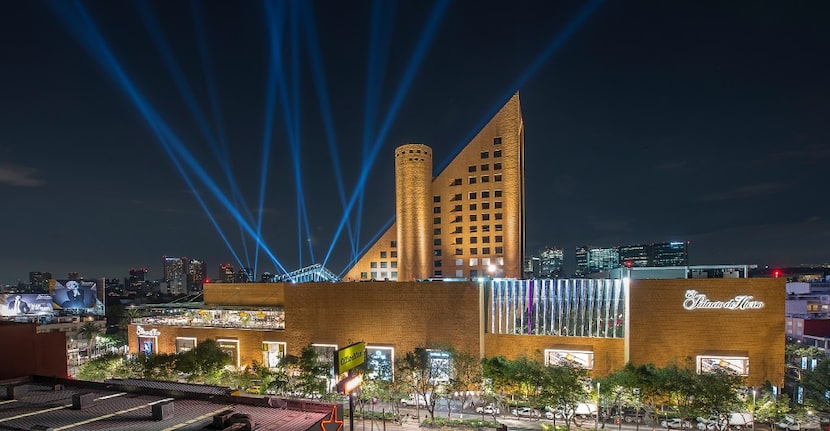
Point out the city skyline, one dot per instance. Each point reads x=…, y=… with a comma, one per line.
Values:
x=645, y=122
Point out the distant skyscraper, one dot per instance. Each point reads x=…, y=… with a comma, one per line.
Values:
x=196, y=274
x=551, y=260
x=267, y=277
x=675, y=253
x=636, y=255
x=244, y=275
x=532, y=267
x=596, y=259
x=226, y=273
x=37, y=281
x=138, y=277
x=175, y=275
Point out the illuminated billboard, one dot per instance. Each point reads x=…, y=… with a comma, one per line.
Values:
x=738, y=365
x=22, y=304
x=583, y=359
x=76, y=295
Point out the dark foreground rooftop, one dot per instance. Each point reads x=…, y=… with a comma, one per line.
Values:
x=49, y=404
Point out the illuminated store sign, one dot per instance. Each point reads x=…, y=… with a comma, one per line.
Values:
x=145, y=333
x=696, y=301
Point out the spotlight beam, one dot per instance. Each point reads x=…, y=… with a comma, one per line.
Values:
x=371, y=242
x=414, y=64
x=316, y=60
x=551, y=49
x=80, y=23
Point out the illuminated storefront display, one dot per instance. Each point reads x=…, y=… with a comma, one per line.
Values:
x=272, y=353
x=231, y=348
x=185, y=344
x=734, y=364
x=695, y=300
x=218, y=317
x=577, y=308
x=380, y=362
x=581, y=359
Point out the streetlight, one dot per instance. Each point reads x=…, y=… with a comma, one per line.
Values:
x=753, y=407
x=599, y=407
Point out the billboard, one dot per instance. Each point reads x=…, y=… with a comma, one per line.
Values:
x=76, y=295
x=21, y=304
x=579, y=358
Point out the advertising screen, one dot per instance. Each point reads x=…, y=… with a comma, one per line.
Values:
x=76, y=294
x=21, y=304
x=582, y=359
x=733, y=364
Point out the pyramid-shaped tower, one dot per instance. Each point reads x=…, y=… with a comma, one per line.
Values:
x=466, y=222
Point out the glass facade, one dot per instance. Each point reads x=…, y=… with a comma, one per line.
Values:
x=569, y=308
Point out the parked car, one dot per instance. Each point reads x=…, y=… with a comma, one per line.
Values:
x=525, y=412
x=554, y=413
x=489, y=409
x=792, y=424
x=708, y=424
x=676, y=424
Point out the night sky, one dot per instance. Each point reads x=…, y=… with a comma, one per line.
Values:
x=645, y=122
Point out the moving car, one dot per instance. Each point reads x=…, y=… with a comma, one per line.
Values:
x=406, y=402
x=526, y=412
x=676, y=424
x=489, y=409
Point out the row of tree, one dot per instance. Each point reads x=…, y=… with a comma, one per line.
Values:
x=443, y=375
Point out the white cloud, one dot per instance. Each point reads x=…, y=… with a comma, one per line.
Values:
x=19, y=176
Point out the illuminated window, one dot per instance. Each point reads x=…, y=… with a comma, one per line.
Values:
x=459, y=262
x=364, y=275
x=383, y=275
x=497, y=141
x=474, y=261
x=485, y=155
x=374, y=275
x=394, y=274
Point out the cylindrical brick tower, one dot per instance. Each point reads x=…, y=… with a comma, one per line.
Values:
x=413, y=210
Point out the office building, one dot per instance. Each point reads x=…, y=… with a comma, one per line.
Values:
x=465, y=222
x=591, y=260
x=175, y=278
x=196, y=274
x=226, y=273
x=674, y=253
x=551, y=261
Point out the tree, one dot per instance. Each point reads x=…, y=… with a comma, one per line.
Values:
x=423, y=376
x=102, y=368
x=311, y=373
x=89, y=331
x=716, y=393
x=564, y=386
x=466, y=376
x=816, y=384
x=203, y=363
